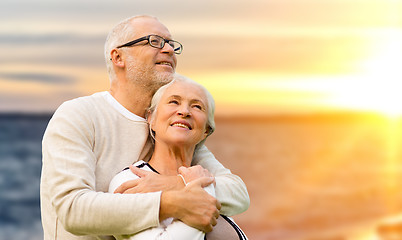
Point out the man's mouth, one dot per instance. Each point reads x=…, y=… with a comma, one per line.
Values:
x=165, y=63
x=181, y=125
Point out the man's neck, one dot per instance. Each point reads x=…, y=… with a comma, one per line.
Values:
x=135, y=99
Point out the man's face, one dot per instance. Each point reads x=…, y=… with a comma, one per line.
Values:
x=154, y=65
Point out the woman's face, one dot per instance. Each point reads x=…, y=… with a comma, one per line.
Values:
x=181, y=115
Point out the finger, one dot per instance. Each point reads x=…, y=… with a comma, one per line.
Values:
x=126, y=185
x=183, y=170
x=132, y=190
x=202, y=182
x=216, y=214
x=208, y=228
x=218, y=205
x=197, y=167
x=213, y=222
x=139, y=172
x=200, y=169
x=207, y=173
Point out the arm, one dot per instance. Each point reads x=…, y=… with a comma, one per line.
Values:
x=176, y=229
x=190, y=203
x=69, y=180
x=230, y=189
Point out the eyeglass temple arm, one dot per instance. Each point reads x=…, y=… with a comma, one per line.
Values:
x=133, y=42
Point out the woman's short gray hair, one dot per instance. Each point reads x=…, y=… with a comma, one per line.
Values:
x=119, y=35
x=210, y=103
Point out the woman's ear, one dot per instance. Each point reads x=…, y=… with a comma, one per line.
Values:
x=116, y=58
x=150, y=121
x=148, y=115
x=207, y=130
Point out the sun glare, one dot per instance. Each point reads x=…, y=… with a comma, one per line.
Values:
x=384, y=74
x=377, y=87
x=371, y=94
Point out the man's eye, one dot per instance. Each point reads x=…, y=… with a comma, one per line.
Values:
x=173, y=102
x=155, y=41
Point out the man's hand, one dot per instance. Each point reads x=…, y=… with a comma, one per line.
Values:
x=149, y=182
x=192, y=205
x=194, y=172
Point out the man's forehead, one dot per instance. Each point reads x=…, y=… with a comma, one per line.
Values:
x=147, y=25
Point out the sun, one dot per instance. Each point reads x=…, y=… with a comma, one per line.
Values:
x=370, y=94
x=378, y=86
x=384, y=70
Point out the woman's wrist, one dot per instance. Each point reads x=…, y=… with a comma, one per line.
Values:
x=184, y=180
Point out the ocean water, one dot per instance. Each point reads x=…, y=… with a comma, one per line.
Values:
x=20, y=168
x=316, y=177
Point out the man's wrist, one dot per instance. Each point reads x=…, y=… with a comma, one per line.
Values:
x=167, y=205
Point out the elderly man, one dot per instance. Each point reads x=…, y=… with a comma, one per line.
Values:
x=90, y=139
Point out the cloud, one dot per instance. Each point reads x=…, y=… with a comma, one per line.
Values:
x=39, y=77
x=52, y=48
x=45, y=38
x=35, y=102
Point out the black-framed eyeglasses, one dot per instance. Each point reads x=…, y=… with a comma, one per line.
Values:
x=156, y=42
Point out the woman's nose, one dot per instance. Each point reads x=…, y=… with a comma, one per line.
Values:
x=184, y=111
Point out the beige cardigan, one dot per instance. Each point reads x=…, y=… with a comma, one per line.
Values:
x=87, y=142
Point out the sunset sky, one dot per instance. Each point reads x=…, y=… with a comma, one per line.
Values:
x=265, y=56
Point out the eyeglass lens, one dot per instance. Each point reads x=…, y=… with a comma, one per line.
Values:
x=159, y=42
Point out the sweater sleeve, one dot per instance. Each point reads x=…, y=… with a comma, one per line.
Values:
x=68, y=178
x=176, y=230
x=230, y=189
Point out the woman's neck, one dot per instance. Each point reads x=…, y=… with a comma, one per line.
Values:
x=167, y=160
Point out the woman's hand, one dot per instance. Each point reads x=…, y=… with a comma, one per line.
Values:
x=150, y=182
x=153, y=182
x=194, y=172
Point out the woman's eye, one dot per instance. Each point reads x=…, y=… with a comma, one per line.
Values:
x=198, y=106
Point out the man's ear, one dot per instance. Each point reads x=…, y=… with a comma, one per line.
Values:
x=116, y=58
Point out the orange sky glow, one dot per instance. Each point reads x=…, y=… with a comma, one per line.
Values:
x=264, y=56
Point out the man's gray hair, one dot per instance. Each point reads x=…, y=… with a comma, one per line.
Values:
x=210, y=103
x=117, y=36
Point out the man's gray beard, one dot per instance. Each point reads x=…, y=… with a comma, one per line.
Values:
x=147, y=78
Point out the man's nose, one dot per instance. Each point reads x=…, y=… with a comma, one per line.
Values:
x=167, y=48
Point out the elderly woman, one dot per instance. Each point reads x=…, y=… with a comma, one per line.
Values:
x=181, y=117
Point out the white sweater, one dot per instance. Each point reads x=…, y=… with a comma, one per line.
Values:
x=87, y=142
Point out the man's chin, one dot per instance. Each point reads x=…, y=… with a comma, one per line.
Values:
x=164, y=77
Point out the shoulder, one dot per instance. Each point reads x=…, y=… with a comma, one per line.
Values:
x=202, y=154
x=82, y=108
x=77, y=115
x=83, y=103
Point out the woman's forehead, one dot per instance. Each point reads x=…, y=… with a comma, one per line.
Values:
x=185, y=90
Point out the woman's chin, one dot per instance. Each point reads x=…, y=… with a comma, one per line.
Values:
x=182, y=142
